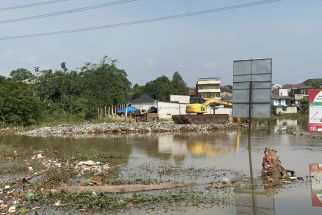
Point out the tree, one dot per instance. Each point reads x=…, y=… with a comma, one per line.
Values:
x=18, y=105
x=21, y=74
x=137, y=91
x=59, y=90
x=159, y=89
x=179, y=86
x=304, y=105
x=104, y=84
x=317, y=84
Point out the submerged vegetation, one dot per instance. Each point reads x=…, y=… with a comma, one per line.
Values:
x=37, y=180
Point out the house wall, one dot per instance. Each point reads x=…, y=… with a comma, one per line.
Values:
x=180, y=99
x=208, y=88
x=285, y=110
x=167, y=109
x=299, y=96
x=278, y=102
x=283, y=92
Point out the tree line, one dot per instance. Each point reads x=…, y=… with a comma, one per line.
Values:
x=28, y=98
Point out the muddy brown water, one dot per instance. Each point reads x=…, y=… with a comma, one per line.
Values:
x=226, y=150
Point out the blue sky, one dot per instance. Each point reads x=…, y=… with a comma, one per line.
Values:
x=289, y=31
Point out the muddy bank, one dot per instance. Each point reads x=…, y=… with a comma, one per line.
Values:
x=126, y=128
x=46, y=183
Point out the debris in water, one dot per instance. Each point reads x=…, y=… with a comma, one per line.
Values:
x=12, y=209
x=58, y=203
x=272, y=169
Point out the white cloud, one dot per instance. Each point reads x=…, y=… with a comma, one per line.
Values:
x=19, y=56
x=209, y=65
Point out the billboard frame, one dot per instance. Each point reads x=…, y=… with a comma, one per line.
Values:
x=315, y=102
x=254, y=82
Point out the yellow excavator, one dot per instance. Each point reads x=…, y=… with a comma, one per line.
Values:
x=203, y=108
x=196, y=109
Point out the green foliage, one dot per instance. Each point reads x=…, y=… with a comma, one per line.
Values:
x=59, y=90
x=74, y=95
x=304, y=105
x=137, y=91
x=317, y=84
x=21, y=74
x=179, y=86
x=104, y=84
x=162, y=87
x=66, y=95
x=159, y=88
x=18, y=105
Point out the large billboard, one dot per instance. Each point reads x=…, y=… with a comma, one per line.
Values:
x=252, y=88
x=315, y=110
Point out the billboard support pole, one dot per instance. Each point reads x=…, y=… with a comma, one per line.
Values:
x=250, y=131
x=250, y=119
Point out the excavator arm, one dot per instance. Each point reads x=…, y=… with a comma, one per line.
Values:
x=202, y=108
x=218, y=101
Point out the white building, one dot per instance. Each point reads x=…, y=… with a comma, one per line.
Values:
x=180, y=99
x=167, y=109
x=208, y=88
x=283, y=92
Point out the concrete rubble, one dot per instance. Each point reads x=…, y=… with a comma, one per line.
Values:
x=119, y=128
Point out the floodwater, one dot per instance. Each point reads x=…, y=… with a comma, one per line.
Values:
x=219, y=150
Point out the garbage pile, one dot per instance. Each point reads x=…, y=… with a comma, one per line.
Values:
x=13, y=193
x=90, y=166
x=272, y=169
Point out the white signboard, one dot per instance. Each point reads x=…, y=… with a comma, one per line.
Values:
x=252, y=88
x=315, y=110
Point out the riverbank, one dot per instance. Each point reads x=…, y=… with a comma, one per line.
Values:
x=126, y=128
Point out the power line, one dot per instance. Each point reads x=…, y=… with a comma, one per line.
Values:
x=57, y=13
x=32, y=5
x=122, y=24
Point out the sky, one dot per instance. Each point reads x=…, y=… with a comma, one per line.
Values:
x=288, y=31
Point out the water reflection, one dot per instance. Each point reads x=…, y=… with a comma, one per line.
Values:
x=285, y=124
x=167, y=146
x=67, y=147
x=316, y=185
x=257, y=200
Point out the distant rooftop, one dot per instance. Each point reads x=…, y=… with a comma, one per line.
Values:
x=145, y=98
x=294, y=86
x=210, y=78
